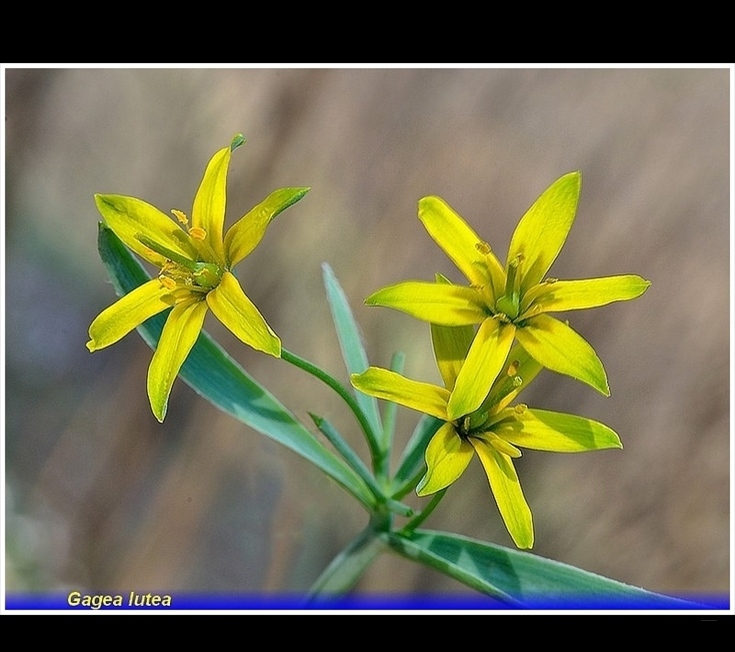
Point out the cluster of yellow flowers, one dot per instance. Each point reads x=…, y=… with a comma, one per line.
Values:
x=484, y=370
x=490, y=337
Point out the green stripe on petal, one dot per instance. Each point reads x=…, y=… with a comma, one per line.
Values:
x=126, y=314
x=451, y=344
x=447, y=305
x=208, y=212
x=542, y=231
x=447, y=456
x=249, y=230
x=130, y=218
x=484, y=362
x=506, y=488
x=463, y=246
x=179, y=334
x=392, y=386
x=581, y=294
x=555, y=432
x=233, y=308
x=560, y=348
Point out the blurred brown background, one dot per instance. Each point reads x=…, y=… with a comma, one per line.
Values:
x=99, y=496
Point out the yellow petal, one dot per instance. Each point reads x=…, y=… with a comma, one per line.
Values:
x=468, y=252
x=542, y=231
x=447, y=456
x=484, y=362
x=179, y=334
x=131, y=218
x=208, y=212
x=506, y=489
x=559, y=296
x=249, y=230
x=560, y=348
x=127, y=313
x=448, y=305
x=392, y=386
x=233, y=308
x=555, y=432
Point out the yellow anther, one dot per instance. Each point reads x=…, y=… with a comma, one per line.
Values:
x=520, y=408
x=181, y=216
x=550, y=280
x=483, y=248
x=513, y=367
x=167, y=282
x=197, y=233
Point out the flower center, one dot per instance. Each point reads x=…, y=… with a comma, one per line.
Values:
x=179, y=271
x=470, y=424
x=195, y=276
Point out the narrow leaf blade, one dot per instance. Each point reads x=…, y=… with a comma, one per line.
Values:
x=523, y=579
x=350, y=342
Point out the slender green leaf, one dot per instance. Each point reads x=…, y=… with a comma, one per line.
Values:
x=219, y=379
x=353, y=352
x=347, y=452
x=522, y=579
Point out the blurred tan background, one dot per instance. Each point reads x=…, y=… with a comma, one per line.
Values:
x=99, y=496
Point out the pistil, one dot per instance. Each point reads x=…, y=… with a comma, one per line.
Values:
x=510, y=303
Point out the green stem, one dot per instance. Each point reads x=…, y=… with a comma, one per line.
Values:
x=328, y=380
x=349, y=565
x=389, y=423
x=424, y=513
x=348, y=454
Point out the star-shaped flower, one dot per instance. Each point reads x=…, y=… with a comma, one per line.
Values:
x=493, y=432
x=511, y=302
x=195, y=273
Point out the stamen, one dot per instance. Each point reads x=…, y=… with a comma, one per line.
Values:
x=181, y=216
x=513, y=282
x=466, y=425
x=513, y=367
x=197, y=233
x=520, y=408
x=503, y=446
x=164, y=251
x=167, y=282
x=483, y=248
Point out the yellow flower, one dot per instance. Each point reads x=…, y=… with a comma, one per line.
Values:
x=195, y=275
x=493, y=432
x=511, y=302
